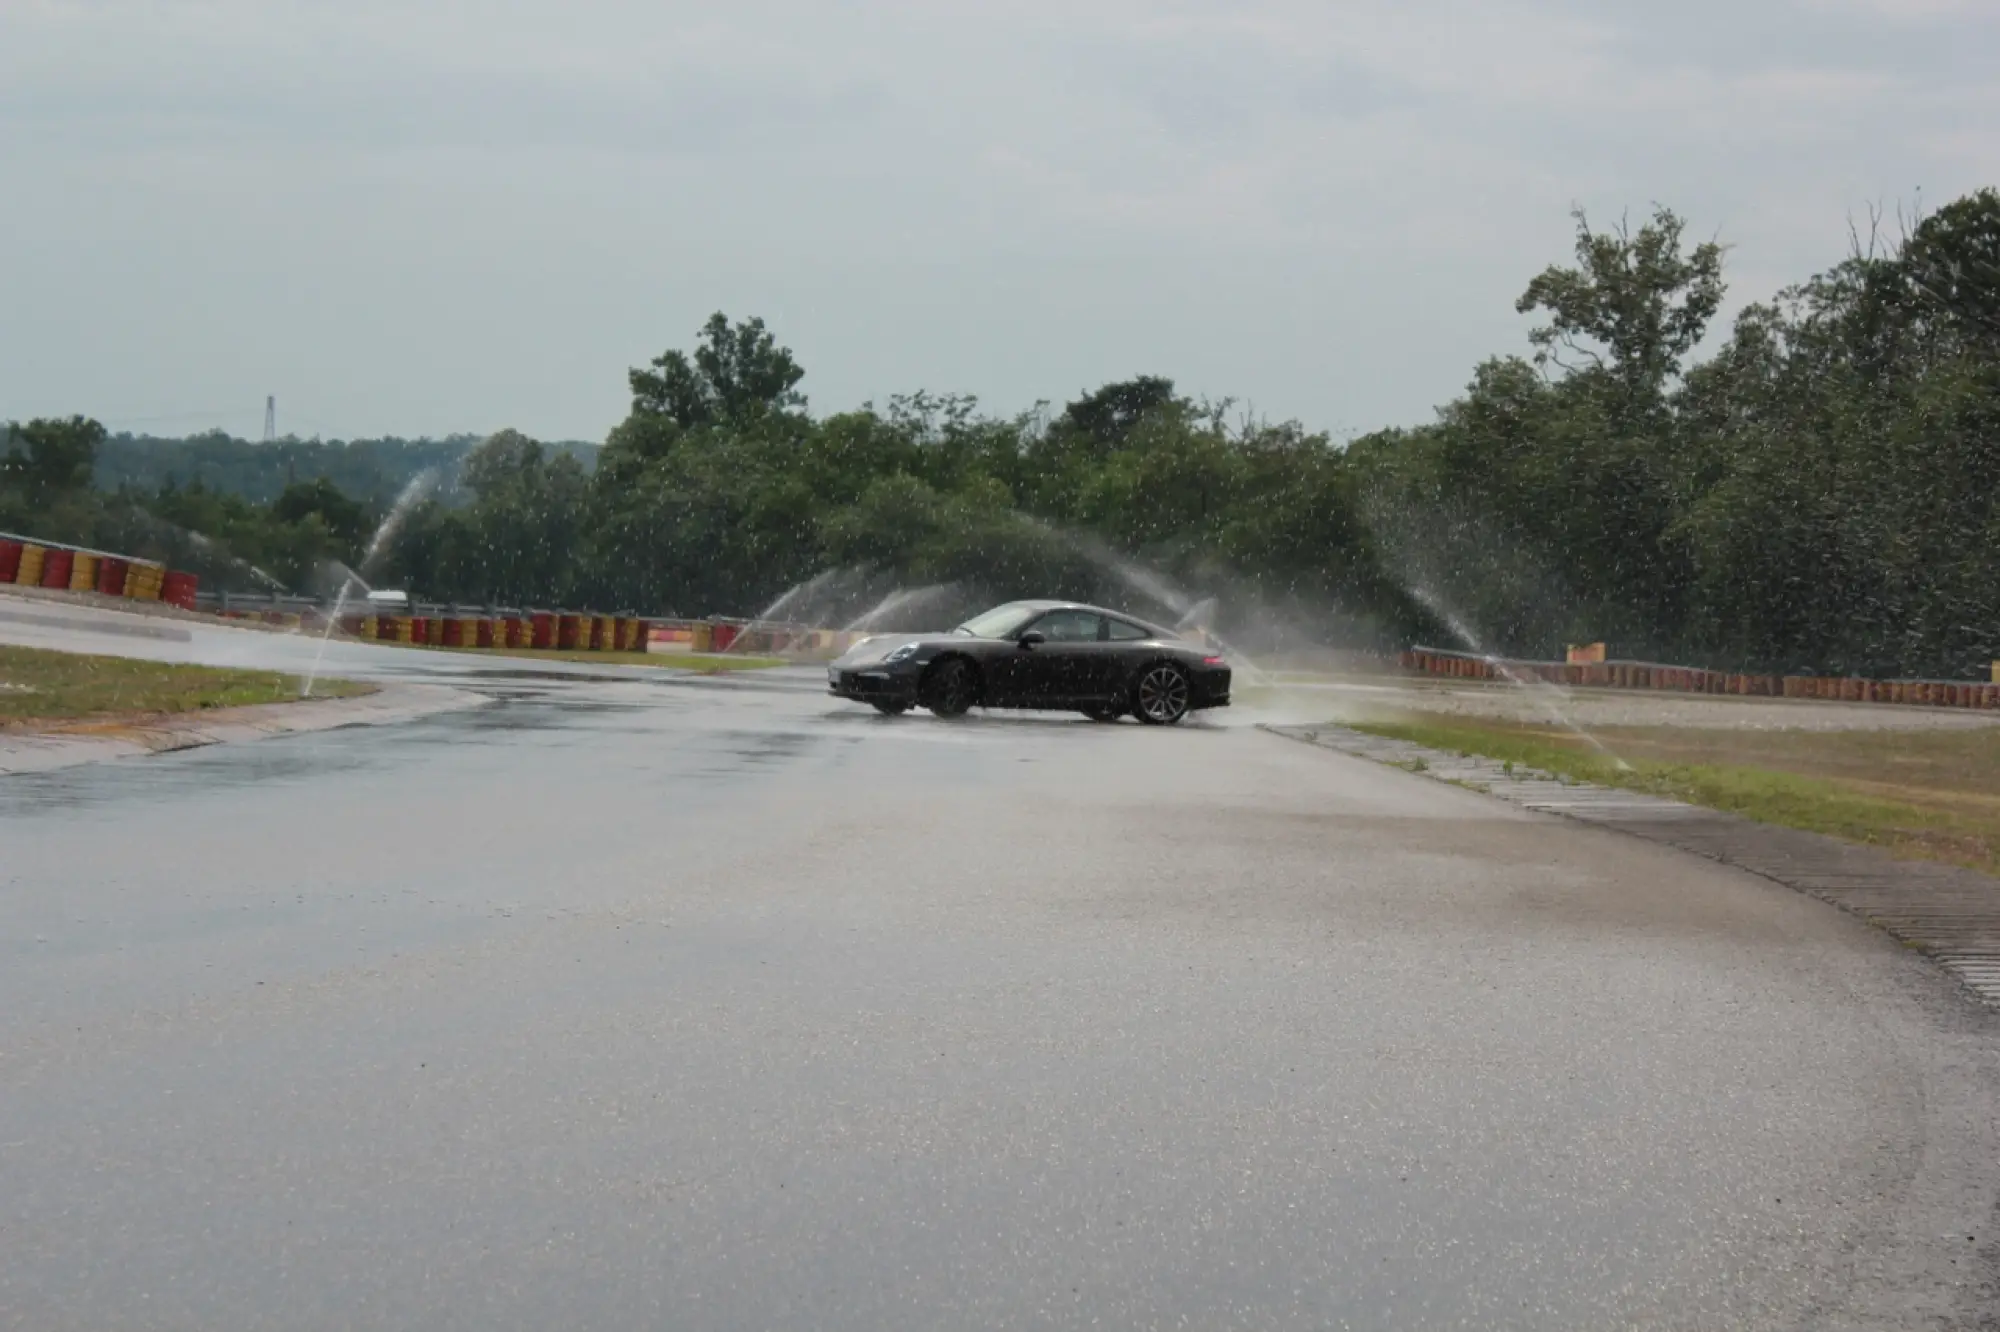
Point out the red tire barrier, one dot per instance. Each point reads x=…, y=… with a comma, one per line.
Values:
x=10, y=560
x=1639, y=675
x=178, y=589
x=56, y=567
x=546, y=630
x=483, y=633
x=569, y=628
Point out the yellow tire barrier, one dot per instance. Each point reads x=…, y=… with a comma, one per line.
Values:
x=83, y=573
x=143, y=581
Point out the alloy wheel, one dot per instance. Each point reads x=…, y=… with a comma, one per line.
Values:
x=952, y=689
x=1163, y=695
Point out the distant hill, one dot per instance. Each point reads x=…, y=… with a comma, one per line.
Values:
x=371, y=470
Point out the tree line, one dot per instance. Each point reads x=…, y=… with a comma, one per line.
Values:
x=1816, y=494
x=373, y=471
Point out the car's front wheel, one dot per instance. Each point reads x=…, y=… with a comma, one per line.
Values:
x=950, y=688
x=1161, y=696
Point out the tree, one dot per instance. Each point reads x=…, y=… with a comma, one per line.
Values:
x=738, y=374
x=1114, y=411
x=343, y=517
x=1823, y=493
x=49, y=458
x=519, y=541
x=1952, y=259
x=1638, y=298
x=502, y=460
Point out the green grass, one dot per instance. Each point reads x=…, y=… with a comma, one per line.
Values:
x=1815, y=781
x=42, y=686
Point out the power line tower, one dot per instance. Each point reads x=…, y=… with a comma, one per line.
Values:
x=270, y=418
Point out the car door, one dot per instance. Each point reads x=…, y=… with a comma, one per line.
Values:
x=1016, y=675
x=1009, y=671
x=1061, y=666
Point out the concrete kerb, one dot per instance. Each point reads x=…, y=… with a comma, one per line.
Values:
x=96, y=742
x=1950, y=914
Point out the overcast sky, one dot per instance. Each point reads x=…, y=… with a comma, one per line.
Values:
x=427, y=216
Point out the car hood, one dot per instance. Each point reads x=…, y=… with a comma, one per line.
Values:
x=870, y=650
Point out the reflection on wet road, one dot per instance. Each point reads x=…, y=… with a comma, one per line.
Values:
x=636, y=1000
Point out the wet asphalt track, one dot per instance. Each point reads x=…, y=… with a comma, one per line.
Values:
x=640, y=1001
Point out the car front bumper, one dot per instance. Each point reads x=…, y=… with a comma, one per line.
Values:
x=873, y=684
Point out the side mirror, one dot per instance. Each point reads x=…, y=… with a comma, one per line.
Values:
x=1033, y=638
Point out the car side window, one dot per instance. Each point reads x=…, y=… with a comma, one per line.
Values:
x=1121, y=632
x=1069, y=626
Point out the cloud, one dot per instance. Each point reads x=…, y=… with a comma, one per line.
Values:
x=460, y=214
x=1902, y=11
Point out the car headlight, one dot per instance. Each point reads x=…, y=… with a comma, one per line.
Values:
x=903, y=653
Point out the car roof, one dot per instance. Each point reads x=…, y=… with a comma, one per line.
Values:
x=1048, y=605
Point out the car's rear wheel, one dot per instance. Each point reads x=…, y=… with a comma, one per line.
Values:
x=1104, y=712
x=888, y=709
x=1161, y=696
x=950, y=687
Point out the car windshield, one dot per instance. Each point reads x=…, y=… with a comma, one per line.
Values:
x=1000, y=622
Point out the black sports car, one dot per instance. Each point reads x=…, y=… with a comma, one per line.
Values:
x=1037, y=654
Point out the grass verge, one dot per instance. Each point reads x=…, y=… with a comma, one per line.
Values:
x=1921, y=795
x=37, y=685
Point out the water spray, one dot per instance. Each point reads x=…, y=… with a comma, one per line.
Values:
x=899, y=599
x=417, y=487
x=795, y=596
x=1538, y=691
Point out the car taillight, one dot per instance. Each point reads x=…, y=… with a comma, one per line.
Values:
x=1215, y=661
